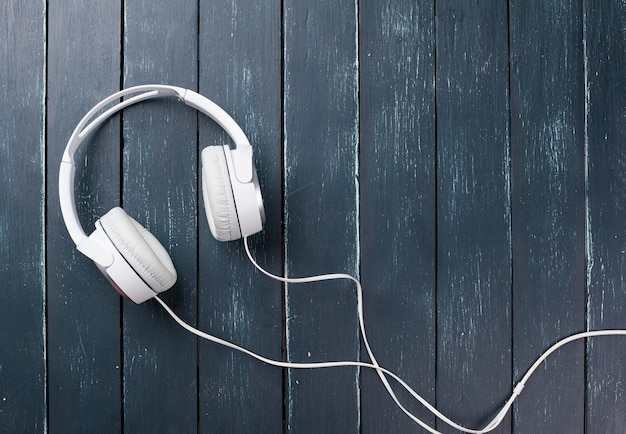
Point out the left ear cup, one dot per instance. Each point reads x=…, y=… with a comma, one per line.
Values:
x=217, y=192
x=141, y=250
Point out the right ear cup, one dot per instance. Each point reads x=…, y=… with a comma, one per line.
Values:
x=218, y=196
x=141, y=250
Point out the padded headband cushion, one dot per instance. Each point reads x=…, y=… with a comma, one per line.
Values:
x=143, y=252
x=218, y=197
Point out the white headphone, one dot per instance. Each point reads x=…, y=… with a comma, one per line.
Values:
x=139, y=267
x=131, y=258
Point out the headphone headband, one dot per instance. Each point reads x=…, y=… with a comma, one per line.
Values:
x=242, y=159
x=150, y=91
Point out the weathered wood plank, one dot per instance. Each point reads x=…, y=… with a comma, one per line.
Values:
x=558, y=50
x=321, y=210
x=605, y=44
x=159, y=191
x=397, y=203
x=83, y=310
x=547, y=128
x=473, y=212
x=22, y=204
x=240, y=69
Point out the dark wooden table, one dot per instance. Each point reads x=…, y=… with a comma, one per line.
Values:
x=465, y=159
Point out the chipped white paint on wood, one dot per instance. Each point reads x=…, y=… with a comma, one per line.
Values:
x=23, y=376
x=410, y=173
x=321, y=128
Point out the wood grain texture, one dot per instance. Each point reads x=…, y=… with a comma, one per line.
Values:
x=240, y=66
x=397, y=203
x=22, y=231
x=84, y=359
x=605, y=44
x=547, y=111
x=159, y=191
x=321, y=210
x=466, y=158
x=473, y=212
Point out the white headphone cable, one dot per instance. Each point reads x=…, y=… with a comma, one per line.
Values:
x=375, y=365
x=290, y=365
x=382, y=372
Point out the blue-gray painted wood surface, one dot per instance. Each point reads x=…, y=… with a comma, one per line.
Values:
x=84, y=358
x=321, y=136
x=397, y=203
x=473, y=212
x=23, y=379
x=466, y=158
x=238, y=394
x=605, y=143
x=159, y=190
x=548, y=209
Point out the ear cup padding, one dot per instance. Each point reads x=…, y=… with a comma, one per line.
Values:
x=143, y=252
x=218, y=195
